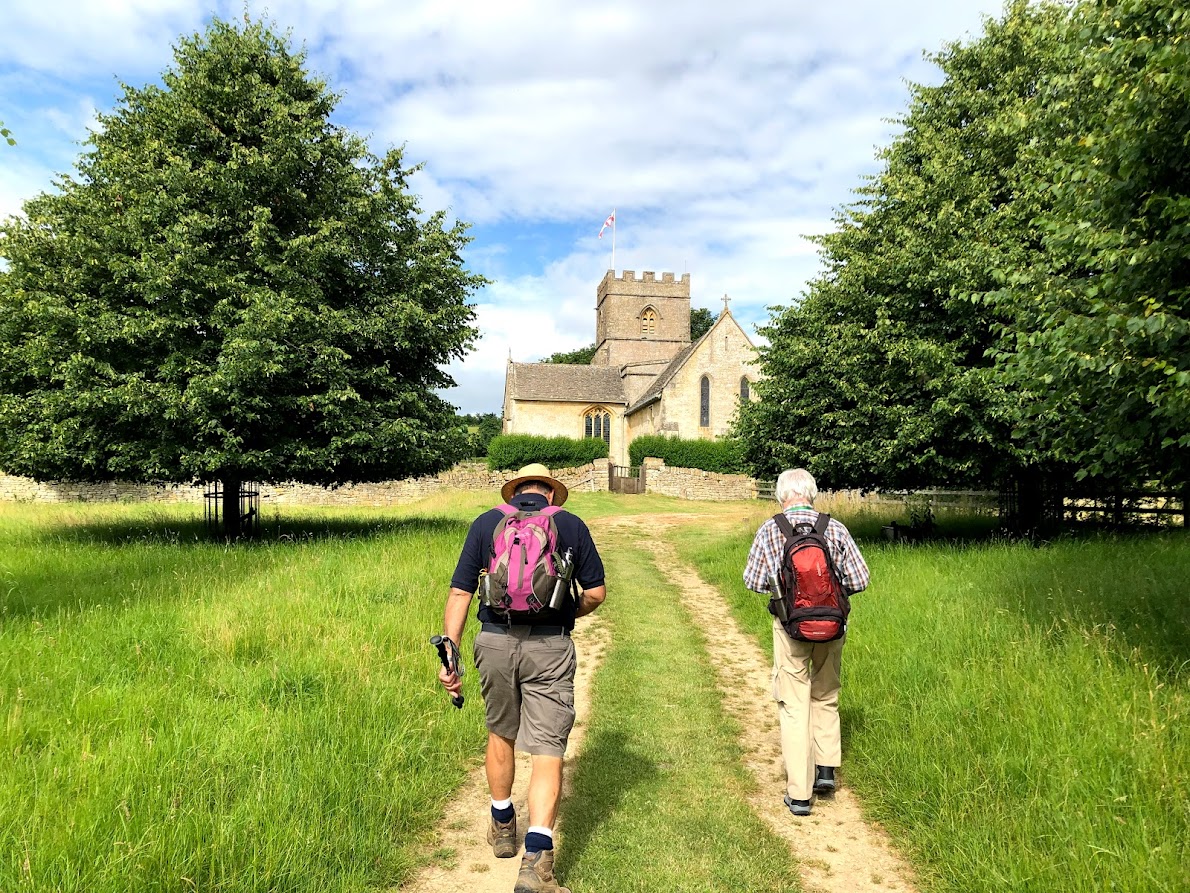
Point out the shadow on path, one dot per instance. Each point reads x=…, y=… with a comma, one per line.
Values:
x=607, y=770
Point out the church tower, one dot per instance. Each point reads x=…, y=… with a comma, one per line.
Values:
x=641, y=323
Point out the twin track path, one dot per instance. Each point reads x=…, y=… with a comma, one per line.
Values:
x=836, y=849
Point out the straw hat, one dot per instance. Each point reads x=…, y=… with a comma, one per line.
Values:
x=535, y=472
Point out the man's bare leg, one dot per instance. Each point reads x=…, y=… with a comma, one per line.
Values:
x=500, y=763
x=545, y=790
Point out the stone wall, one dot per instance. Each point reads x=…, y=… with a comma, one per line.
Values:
x=473, y=476
x=692, y=483
x=18, y=489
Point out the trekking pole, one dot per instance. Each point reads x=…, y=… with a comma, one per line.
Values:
x=448, y=653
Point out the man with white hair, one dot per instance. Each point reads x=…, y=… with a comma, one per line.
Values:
x=805, y=674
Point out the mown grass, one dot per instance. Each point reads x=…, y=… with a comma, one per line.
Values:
x=1016, y=716
x=659, y=790
x=183, y=715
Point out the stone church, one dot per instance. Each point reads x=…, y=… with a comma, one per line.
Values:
x=646, y=376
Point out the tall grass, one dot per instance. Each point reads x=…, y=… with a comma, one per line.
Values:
x=183, y=715
x=1016, y=716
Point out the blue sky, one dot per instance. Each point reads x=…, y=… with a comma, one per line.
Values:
x=723, y=135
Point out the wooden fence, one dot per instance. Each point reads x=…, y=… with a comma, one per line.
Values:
x=1070, y=507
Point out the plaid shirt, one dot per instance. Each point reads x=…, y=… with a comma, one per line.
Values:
x=765, y=556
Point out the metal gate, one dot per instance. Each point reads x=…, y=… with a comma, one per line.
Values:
x=625, y=479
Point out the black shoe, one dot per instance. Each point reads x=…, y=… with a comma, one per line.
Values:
x=798, y=807
x=824, y=780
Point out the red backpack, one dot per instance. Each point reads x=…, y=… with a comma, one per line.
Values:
x=523, y=568
x=813, y=606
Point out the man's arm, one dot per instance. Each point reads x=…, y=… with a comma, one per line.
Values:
x=458, y=603
x=590, y=600
x=849, y=563
x=756, y=568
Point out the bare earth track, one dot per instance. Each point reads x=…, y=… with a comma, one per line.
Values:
x=836, y=849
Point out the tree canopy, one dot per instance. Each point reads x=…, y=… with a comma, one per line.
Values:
x=232, y=287
x=1008, y=294
x=1099, y=321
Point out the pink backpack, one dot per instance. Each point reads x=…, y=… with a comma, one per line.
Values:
x=523, y=568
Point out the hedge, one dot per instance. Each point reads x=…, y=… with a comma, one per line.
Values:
x=722, y=456
x=512, y=451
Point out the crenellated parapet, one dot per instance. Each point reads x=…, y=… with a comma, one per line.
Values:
x=641, y=318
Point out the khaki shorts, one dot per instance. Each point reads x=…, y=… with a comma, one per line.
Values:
x=528, y=687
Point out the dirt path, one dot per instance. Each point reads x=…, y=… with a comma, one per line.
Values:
x=837, y=851
x=465, y=863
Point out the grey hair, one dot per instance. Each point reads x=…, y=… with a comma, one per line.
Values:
x=794, y=483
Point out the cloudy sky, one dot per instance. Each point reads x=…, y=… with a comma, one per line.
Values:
x=722, y=134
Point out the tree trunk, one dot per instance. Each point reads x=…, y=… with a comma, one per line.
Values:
x=231, y=507
x=1030, y=504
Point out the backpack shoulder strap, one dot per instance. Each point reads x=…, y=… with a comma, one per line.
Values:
x=550, y=510
x=822, y=523
x=784, y=524
x=507, y=509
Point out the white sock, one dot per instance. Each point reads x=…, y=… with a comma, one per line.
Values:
x=537, y=829
x=502, y=804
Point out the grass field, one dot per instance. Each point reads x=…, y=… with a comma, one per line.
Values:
x=1016, y=716
x=180, y=715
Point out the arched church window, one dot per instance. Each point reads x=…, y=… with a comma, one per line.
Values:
x=598, y=423
x=745, y=390
x=704, y=403
x=648, y=322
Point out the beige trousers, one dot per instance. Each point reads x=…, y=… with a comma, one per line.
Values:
x=806, y=689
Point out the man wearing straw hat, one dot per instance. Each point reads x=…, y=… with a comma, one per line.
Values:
x=526, y=664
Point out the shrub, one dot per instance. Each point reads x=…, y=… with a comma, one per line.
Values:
x=722, y=456
x=507, y=451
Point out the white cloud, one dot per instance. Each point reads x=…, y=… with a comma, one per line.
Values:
x=723, y=134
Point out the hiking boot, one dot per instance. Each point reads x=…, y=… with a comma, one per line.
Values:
x=824, y=781
x=502, y=837
x=798, y=807
x=537, y=874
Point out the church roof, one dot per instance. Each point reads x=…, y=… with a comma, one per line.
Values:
x=653, y=394
x=562, y=382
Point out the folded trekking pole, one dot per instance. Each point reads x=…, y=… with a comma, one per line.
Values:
x=448, y=653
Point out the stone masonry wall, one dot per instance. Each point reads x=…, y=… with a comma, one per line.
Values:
x=692, y=483
x=465, y=476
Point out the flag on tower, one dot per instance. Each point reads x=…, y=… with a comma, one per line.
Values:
x=611, y=221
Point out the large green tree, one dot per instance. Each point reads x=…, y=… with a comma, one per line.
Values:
x=230, y=287
x=879, y=376
x=1099, y=332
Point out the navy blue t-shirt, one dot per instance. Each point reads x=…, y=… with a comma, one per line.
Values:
x=572, y=534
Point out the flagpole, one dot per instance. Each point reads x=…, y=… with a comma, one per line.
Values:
x=613, y=241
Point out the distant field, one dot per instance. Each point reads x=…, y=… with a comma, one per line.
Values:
x=1017, y=717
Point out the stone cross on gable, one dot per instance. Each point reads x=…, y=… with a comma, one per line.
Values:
x=726, y=299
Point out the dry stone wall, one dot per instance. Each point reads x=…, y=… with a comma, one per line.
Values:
x=692, y=483
x=465, y=476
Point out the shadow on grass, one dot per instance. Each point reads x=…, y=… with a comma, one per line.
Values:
x=607, y=770
x=1131, y=589
x=136, y=560
x=852, y=722
x=279, y=531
